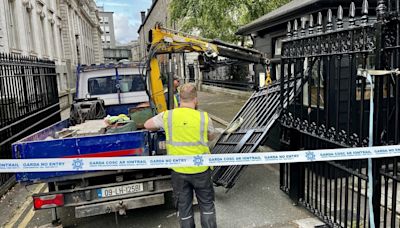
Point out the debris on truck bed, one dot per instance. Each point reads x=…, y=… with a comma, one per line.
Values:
x=89, y=127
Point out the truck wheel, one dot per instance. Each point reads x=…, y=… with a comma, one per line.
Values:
x=169, y=201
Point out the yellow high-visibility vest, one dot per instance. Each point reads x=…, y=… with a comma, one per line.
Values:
x=186, y=134
x=176, y=105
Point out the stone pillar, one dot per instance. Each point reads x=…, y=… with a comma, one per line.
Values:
x=65, y=31
x=97, y=46
x=19, y=18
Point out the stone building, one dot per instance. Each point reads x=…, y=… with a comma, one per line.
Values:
x=158, y=14
x=107, y=26
x=31, y=28
x=118, y=53
x=3, y=31
x=64, y=31
x=81, y=31
x=135, y=50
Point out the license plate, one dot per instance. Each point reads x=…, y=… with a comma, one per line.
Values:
x=119, y=190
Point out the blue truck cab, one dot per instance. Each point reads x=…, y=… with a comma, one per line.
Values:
x=121, y=88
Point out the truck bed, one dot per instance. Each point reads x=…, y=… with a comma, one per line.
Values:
x=43, y=144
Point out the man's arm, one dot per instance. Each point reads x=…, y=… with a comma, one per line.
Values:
x=155, y=123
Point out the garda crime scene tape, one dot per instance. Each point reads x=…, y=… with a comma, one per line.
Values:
x=151, y=162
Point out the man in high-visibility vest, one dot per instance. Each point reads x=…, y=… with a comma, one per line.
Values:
x=187, y=133
x=176, y=92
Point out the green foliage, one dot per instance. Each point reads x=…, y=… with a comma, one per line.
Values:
x=219, y=18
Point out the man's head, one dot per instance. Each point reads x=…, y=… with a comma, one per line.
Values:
x=188, y=94
x=176, y=82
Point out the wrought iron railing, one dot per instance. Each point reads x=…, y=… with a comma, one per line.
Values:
x=332, y=109
x=243, y=86
x=234, y=75
x=28, y=101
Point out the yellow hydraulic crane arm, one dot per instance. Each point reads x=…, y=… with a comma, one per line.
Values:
x=166, y=41
x=174, y=42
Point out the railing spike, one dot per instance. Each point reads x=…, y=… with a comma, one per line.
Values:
x=352, y=15
x=340, y=17
x=311, y=27
x=364, y=8
x=381, y=10
x=329, y=24
x=289, y=29
x=364, y=12
x=329, y=16
x=303, y=27
x=319, y=23
x=295, y=28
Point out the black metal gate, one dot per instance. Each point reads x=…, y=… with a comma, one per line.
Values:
x=28, y=102
x=332, y=111
x=230, y=74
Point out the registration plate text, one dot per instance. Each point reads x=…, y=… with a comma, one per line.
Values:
x=120, y=190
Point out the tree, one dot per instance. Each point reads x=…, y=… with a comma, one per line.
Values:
x=219, y=18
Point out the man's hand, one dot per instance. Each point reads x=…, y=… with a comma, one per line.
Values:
x=211, y=135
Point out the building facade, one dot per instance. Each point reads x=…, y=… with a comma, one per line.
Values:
x=107, y=26
x=117, y=54
x=3, y=31
x=135, y=50
x=64, y=31
x=158, y=14
x=31, y=28
x=81, y=31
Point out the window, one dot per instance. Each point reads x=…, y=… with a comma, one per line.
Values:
x=105, y=20
x=108, y=39
x=276, y=67
x=13, y=25
x=278, y=46
x=62, y=82
x=108, y=84
x=277, y=71
x=53, y=42
x=30, y=37
x=61, y=45
x=103, y=39
x=101, y=19
x=107, y=29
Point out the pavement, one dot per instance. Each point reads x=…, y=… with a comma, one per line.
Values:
x=255, y=201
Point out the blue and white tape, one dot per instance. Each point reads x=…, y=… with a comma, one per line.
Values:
x=151, y=162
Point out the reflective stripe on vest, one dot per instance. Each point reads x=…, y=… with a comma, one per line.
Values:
x=176, y=104
x=186, y=134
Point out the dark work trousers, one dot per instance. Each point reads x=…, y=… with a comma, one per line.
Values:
x=183, y=186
